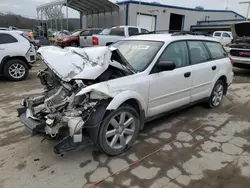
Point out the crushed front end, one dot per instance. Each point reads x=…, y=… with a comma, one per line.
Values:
x=58, y=113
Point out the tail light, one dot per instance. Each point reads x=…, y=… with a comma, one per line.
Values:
x=95, y=41
x=231, y=60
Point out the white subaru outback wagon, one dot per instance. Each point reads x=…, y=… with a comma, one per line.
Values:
x=104, y=95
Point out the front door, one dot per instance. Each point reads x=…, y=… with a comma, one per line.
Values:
x=226, y=39
x=171, y=89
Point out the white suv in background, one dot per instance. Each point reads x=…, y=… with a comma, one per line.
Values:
x=224, y=37
x=16, y=55
x=105, y=94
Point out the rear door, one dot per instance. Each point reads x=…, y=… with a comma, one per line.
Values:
x=3, y=49
x=6, y=47
x=204, y=70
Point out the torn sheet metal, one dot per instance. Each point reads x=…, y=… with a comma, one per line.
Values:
x=77, y=63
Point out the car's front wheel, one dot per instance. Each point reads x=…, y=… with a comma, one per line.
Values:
x=217, y=94
x=74, y=44
x=16, y=70
x=119, y=130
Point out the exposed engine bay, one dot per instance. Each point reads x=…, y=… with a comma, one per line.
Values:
x=59, y=113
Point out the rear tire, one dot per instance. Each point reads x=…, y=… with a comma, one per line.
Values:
x=16, y=70
x=217, y=94
x=119, y=130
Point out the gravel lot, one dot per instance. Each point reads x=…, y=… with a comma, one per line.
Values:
x=196, y=148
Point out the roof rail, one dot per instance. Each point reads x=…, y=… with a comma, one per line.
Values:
x=189, y=33
x=175, y=32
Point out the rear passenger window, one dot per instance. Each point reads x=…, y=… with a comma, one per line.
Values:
x=216, y=50
x=176, y=52
x=226, y=35
x=133, y=31
x=117, y=31
x=6, y=39
x=198, y=52
x=217, y=34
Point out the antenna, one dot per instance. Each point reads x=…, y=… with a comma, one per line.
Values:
x=246, y=2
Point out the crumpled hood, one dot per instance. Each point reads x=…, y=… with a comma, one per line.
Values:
x=76, y=63
x=241, y=29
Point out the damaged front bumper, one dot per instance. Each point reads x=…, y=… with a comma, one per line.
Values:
x=35, y=126
x=71, y=140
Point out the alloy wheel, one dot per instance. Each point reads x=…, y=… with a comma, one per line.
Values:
x=217, y=95
x=120, y=130
x=17, y=70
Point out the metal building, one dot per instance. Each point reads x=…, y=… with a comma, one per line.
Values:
x=152, y=16
x=156, y=16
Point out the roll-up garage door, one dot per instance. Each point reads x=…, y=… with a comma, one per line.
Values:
x=146, y=21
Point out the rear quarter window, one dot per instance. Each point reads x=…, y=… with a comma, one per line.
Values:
x=216, y=50
x=7, y=38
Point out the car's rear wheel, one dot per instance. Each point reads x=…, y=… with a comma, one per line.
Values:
x=16, y=70
x=119, y=130
x=217, y=94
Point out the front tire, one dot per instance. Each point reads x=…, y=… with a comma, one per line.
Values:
x=217, y=94
x=16, y=70
x=119, y=130
x=74, y=44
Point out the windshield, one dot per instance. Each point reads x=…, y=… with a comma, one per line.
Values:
x=139, y=54
x=77, y=33
x=105, y=32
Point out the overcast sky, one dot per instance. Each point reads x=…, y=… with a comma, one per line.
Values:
x=28, y=7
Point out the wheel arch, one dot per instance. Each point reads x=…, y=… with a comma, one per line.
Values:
x=220, y=76
x=133, y=99
x=8, y=58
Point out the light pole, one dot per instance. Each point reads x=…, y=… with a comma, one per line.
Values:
x=227, y=5
x=246, y=2
x=139, y=12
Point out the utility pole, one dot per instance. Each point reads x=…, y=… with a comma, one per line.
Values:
x=139, y=10
x=227, y=5
x=248, y=8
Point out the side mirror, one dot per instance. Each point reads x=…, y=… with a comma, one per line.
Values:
x=165, y=66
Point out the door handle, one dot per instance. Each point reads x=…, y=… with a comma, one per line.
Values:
x=187, y=74
x=85, y=37
x=214, y=68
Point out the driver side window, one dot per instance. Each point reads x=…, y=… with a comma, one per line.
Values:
x=177, y=53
